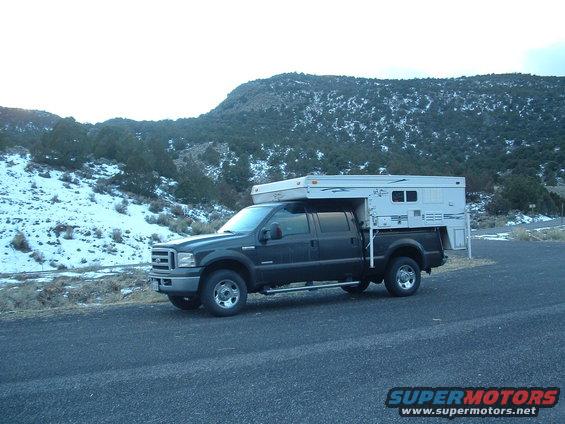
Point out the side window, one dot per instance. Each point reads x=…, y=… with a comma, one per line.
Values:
x=293, y=220
x=398, y=196
x=412, y=196
x=333, y=222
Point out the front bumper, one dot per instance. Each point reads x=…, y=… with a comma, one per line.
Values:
x=175, y=284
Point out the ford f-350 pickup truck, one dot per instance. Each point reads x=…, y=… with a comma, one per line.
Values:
x=320, y=230
x=266, y=246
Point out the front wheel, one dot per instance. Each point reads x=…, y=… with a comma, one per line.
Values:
x=403, y=277
x=224, y=293
x=186, y=303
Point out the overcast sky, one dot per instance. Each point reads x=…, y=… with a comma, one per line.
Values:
x=95, y=59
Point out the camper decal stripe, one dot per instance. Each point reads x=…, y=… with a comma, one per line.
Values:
x=335, y=189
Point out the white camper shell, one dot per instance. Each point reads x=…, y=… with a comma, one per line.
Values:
x=385, y=202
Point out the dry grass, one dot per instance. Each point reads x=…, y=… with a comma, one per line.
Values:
x=455, y=263
x=72, y=292
x=549, y=234
x=68, y=294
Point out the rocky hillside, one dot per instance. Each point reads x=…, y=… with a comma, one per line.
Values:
x=483, y=127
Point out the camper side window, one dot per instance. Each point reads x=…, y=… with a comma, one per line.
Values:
x=398, y=196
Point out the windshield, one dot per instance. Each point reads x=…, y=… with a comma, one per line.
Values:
x=245, y=220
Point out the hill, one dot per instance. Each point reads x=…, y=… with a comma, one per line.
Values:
x=484, y=128
x=54, y=219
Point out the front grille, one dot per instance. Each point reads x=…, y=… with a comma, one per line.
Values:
x=162, y=260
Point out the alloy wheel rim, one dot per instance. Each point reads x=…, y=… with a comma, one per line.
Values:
x=226, y=294
x=406, y=277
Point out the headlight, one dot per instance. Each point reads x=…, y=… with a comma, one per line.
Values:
x=186, y=260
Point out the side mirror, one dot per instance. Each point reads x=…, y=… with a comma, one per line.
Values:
x=264, y=234
x=275, y=231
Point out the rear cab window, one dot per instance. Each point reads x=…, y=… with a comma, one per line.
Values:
x=333, y=222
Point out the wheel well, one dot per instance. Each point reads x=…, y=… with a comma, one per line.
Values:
x=410, y=252
x=230, y=264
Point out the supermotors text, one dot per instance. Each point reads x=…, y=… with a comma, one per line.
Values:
x=453, y=402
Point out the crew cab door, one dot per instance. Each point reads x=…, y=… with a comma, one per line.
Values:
x=294, y=256
x=339, y=244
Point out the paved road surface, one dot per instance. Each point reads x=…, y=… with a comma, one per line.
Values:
x=314, y=357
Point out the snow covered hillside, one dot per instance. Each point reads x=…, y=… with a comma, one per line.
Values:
x=58, y=221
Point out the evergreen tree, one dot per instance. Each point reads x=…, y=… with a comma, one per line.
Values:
x=137, y=176
x=67, y=145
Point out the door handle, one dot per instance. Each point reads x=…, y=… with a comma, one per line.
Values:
x=313, y=243
x=353, y=241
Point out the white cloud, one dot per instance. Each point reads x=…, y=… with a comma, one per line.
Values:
x=168, y=59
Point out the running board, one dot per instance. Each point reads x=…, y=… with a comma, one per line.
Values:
x=312, y=287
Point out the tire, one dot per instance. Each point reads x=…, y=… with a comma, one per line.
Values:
x=403, y=277
x=357, y=288
x=224, y=293
x=186, y=303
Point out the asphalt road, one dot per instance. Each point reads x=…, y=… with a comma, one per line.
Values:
x=313, y=357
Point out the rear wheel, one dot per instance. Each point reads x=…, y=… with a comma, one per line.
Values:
x=357, y=288
x=186, y=303
x=224, y=293
x=403, y=277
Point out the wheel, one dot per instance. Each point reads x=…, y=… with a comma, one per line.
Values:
x=357, y=288
x=186, y=303
x=403, y=277
x=224, y=293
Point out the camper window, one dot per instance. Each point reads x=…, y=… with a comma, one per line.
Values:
x=398, y=196
x=411, y=196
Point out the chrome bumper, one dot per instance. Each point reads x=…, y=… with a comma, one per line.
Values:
x=174, y=285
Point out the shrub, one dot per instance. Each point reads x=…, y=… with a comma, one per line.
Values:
x=92, y=197
x=102, y=186
x=202, y=228
x=38, y=256
x=520, y=234
x=67, y=178
x=117, y=235
x=19, y=242
x=55, y=199
x=98, y=233
x=69, y=233
x=156, y=206
x=177, y=225
x=177, y=210
x=110, y=248
x=122, y=207
x=156, y=238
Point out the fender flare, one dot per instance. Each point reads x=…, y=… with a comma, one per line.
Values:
x=411, y=243
x=230, y=255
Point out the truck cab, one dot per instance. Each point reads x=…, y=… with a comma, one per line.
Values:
x=270, y=247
